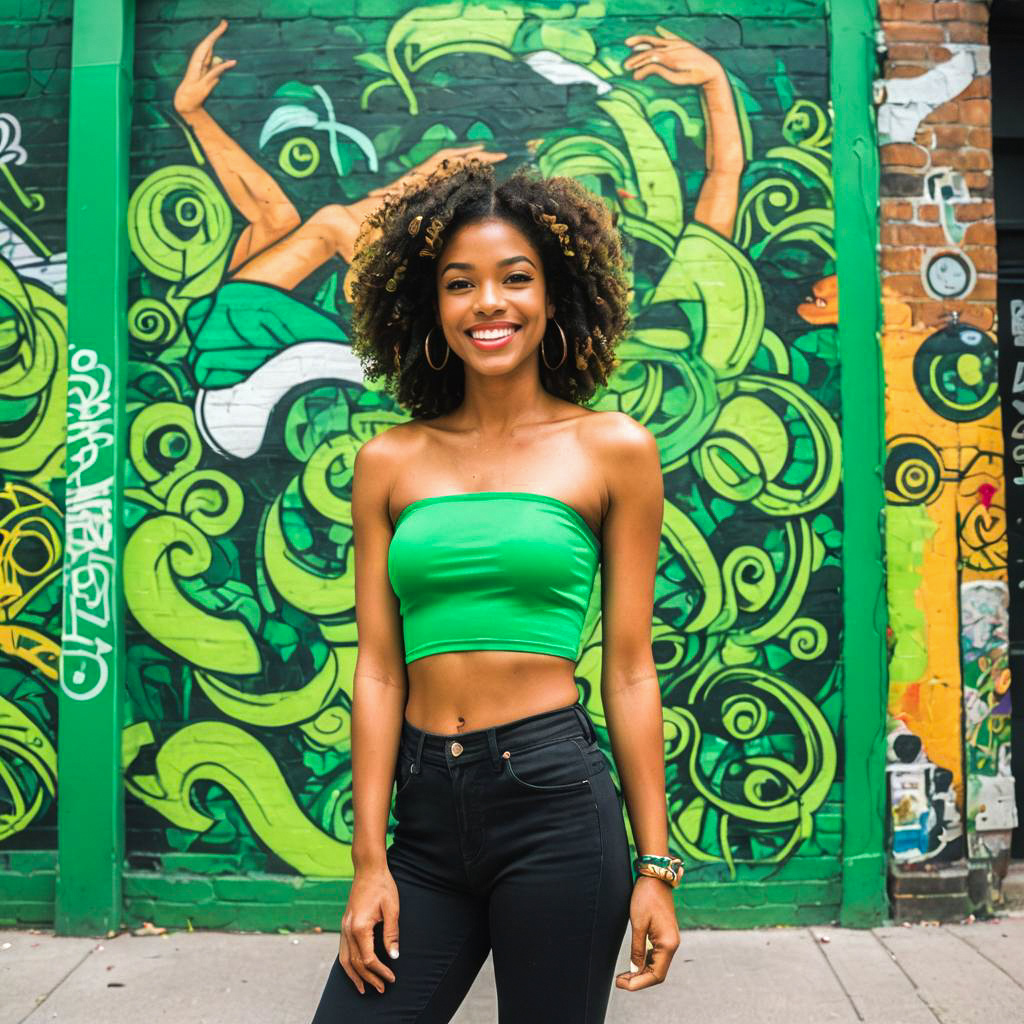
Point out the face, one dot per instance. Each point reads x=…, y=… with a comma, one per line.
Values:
x=492, y=297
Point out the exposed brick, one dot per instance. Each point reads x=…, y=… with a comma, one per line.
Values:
x=913, y=32
x=949, y=136
x=947, y=113
x=976, y=112
x=983, y=257
x=982, y=232
x=965, y=32
x=928, y=213
x=905, y=10
x=903, y=154
x=909, y=52
x=962, y=12
x=962, y=159
x=896, y=209
x=985, y=288
x=900, y=259
x=980, y=137
x=918, y=234
x=983, y=210
x=979, y=183
x=906, y=285
x=896, y=183
x=925, y=136
x=906, y=70
x=980, y=88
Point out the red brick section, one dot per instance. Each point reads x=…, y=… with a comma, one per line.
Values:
x=920, y=34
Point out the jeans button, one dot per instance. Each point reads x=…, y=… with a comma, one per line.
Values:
x=456, y=749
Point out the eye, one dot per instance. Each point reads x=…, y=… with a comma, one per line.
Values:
x=451, y=286
x=522, y=277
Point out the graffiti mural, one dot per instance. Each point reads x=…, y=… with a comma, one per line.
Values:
x=253, y=172
x=946, y=543
x=33, y=382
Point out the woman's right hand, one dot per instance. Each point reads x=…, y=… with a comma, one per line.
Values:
x=202, y=74
x=372, y=898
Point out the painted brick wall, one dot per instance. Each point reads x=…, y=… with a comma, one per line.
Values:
x=34, y=60
x=266, y=591
x=946, y=520
x=238, y=575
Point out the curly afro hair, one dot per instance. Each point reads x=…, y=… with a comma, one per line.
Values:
x=394, y=285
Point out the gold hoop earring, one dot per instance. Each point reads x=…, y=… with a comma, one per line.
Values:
x=426, y=351
x=565, y=347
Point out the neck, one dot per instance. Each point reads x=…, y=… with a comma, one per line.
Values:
x=493, y=407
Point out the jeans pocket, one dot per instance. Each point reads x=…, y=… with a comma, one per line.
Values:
x=404, y=773
x=551, y=766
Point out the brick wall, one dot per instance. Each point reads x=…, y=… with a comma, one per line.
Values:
x=946, y=518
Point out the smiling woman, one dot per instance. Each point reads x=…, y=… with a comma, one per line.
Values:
x=473, y=582
x=446, y=258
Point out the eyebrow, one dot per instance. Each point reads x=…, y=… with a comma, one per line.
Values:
x=501, y=263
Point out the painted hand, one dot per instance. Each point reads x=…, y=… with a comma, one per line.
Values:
x=455, y=154
x=652, y=916
x=202, y=74
x=671, y=57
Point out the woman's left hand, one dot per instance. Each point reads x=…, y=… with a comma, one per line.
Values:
x=652, y=914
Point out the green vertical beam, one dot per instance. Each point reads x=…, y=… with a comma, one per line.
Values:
x=865, y=691
x=90, y=807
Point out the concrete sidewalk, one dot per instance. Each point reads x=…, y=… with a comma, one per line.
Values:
x=953, y=974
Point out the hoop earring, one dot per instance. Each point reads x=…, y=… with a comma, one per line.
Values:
x=426, y=351
x=565, y=347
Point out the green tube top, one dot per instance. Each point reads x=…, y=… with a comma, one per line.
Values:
x=493, y=571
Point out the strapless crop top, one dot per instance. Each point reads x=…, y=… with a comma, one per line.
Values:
x=494, y=571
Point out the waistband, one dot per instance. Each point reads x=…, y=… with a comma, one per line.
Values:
x=464, y=748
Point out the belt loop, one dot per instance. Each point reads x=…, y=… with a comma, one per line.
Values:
x=588, y=725
x=492, y=742
x=418, y=757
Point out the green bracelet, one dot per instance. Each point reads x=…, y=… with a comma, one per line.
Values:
x=668, y=869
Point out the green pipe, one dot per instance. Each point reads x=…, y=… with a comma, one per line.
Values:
x=865, y=689
x=90, y=795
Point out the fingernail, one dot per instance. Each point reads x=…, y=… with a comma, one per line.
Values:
x=393, y=952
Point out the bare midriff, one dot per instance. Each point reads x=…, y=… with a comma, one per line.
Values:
x=462, y=691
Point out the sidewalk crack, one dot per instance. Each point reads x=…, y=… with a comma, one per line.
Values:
x=70, y=971
x=835, y=973
x=920, y=995
x=985, y=956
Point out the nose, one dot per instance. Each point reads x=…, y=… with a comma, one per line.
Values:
x=488, y=297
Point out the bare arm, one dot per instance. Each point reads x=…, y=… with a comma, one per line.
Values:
x=629, y=681
x=674, y=59
x=378, y=705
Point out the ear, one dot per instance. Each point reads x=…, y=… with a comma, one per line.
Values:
x=550, y=309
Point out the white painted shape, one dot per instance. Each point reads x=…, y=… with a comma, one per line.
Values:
x=555, y=68
x=908, y=101
x=233, y=421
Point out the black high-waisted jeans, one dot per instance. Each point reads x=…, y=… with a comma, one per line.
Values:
x=513, y=844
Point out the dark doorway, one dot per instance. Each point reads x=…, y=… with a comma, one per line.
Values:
x=1006, y=36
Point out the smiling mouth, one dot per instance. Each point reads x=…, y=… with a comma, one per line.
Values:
x=491, y=337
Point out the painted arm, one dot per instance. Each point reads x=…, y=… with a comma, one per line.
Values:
x=682, y=63
x=253, y=191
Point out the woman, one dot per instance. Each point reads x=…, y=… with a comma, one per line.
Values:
x=493, y=311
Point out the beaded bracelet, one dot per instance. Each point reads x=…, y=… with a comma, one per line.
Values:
x=668, y=869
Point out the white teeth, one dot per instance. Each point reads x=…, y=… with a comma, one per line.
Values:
x=493, y=335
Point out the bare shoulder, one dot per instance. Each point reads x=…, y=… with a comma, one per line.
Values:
x=625, y=449
x=386, y=449
x=378, y=461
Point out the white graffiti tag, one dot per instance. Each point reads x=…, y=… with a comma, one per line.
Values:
x=89, y=564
